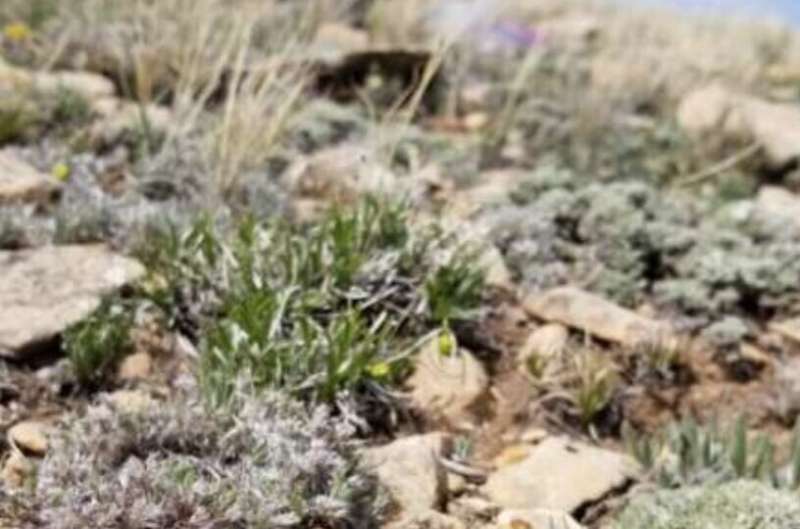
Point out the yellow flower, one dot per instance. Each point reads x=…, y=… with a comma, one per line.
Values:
x=378, y=369
x=447, y=343
x=61, y=172
x=17, y=32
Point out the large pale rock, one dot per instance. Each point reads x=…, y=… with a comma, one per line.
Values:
x=715, y=109
x=559, y=475
x=20, y=182
x=536, y=519
x=45, y=290
x=29, y=436
x=594, y=315
x=409, y=468
x=447, y=385
x=779, y=203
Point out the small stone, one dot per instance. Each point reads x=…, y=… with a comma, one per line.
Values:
x=788, y=329
x=20, y=182
x=548, y=342
x=339, y=174
x=780, y=203
x=30, y=437
x=409, y=468
x=475, y=121
x=561, y=475
x=594, y=315
x=447, y=384
x=16, y=470
x=466, y=507
x=536, y=519
x=135, y=367
x=130, y=401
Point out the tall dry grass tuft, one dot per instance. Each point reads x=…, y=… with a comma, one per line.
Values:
x=232, y=71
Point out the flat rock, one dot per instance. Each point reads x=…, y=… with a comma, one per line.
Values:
x=21, y=182
x=410, y=470
x=86, y=84
x=536, y=519
x=447, y=385
x=594, y=315
x=29, y=436
x=45, y=290
x=559, y=475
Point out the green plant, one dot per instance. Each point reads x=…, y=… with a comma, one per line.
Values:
x=96, y=344
x=70, y=107
x=316, y=310
x=595, y=385
x=688, y=454
x=454, y=287
x=17, y=119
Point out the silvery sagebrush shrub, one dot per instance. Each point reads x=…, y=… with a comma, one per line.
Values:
x=263, y=462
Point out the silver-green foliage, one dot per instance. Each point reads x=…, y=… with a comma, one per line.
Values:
x=263, y=462
x=733, y=505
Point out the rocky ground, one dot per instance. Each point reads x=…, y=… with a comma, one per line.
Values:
x=397, y=263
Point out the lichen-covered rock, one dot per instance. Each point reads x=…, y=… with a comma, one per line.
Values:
x=734, y=505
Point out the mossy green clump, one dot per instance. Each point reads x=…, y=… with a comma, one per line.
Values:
x=733, y=505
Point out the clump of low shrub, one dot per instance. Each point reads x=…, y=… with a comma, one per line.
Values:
x=262, y=462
